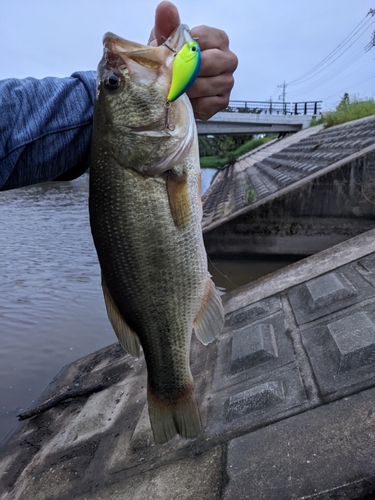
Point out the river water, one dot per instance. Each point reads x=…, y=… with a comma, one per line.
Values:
x=51, y=305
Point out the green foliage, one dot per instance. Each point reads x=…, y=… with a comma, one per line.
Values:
x=227, y=211
x=213, y=162
x=251, y=196
x=349, y=108
x=224, y=155
x=317, y=121
x=231, y=157
x=253, y=144
x=220, y=145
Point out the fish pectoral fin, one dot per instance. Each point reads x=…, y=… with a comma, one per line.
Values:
x=126, y=336
x=178, y=197
x=210, y=318
x=169, y=417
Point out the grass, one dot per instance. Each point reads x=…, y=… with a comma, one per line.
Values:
x=231, y=158
x=213, y=162
x=251, y=196
x=350, y=108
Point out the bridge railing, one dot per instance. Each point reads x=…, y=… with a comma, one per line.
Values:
x=275, y=108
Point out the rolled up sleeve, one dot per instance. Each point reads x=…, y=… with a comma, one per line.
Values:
x=45, y=128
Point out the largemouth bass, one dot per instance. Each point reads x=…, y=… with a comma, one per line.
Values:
x=145, y=214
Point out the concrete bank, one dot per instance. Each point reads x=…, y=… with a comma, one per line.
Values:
x=286, y=394
x=298, y=195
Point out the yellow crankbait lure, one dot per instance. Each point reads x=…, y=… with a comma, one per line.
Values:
x=186, y=65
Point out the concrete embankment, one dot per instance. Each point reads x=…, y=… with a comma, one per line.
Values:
x=286, y=395
x=298, y=195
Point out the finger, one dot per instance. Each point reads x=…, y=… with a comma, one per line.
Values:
x=166, y=20
x=205, y=107
x=215, y=62
x=210, y=38
x=211, y=86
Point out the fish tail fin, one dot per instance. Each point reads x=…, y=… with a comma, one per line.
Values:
x=210, y=319
x=169, y=417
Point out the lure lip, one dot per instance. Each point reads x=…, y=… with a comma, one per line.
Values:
x=187, y=36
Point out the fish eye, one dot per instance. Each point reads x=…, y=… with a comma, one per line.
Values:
x=112, y=81
x=193, y=48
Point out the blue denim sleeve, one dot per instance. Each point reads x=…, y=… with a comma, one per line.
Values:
x=45, y=128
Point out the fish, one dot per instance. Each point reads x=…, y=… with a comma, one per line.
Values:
x=145, y=216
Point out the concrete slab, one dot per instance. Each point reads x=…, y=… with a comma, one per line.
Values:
x=286, y=395
x=325, y=453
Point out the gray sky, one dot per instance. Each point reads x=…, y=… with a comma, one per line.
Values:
x=274, y=41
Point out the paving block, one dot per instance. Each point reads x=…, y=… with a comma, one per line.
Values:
x=328, y=293
x=256, y=349
x=252, y=313
x=253, y=346
x=342, y=351
x=368, y=264
x=257, y=398
x=328, y=289
x=257, y=401
x=354, y=340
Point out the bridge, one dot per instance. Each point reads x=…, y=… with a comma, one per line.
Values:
x=256, y=117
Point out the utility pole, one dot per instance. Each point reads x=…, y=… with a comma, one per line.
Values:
x=282, y=95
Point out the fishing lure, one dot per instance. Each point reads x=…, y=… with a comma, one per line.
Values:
x=186, y=65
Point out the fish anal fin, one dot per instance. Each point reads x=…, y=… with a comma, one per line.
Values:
x=169, y=417
x=178, y=197
x=126, y=336
x=210, y=319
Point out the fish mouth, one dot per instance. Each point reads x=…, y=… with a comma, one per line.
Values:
x=174, y=43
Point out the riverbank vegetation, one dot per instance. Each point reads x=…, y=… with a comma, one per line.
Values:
x=219, y=151
x=349, y=108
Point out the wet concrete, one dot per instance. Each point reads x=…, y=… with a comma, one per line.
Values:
x=286, y=395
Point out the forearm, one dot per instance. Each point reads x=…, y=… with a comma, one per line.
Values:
x=45, y=128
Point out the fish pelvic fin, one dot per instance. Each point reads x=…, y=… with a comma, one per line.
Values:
x=169, y=417
x=178, y=197
x=126, y=336
x=210, y=319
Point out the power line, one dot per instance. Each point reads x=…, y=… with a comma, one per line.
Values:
x=360, y=26
x=325, y=66
x=333, y=74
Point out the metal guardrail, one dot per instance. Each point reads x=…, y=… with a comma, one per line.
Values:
x=275, y=108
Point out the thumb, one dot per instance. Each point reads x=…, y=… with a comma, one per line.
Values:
x=166, y=20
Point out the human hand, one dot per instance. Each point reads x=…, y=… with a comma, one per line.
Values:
x=211, y=90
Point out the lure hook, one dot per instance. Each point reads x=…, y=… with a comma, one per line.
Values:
x=167, y=125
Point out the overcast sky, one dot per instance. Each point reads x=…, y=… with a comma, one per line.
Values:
x=274, y=40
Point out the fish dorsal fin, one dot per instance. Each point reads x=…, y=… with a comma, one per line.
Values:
x=210, y=319
x=178, y=197
x=126, y=336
